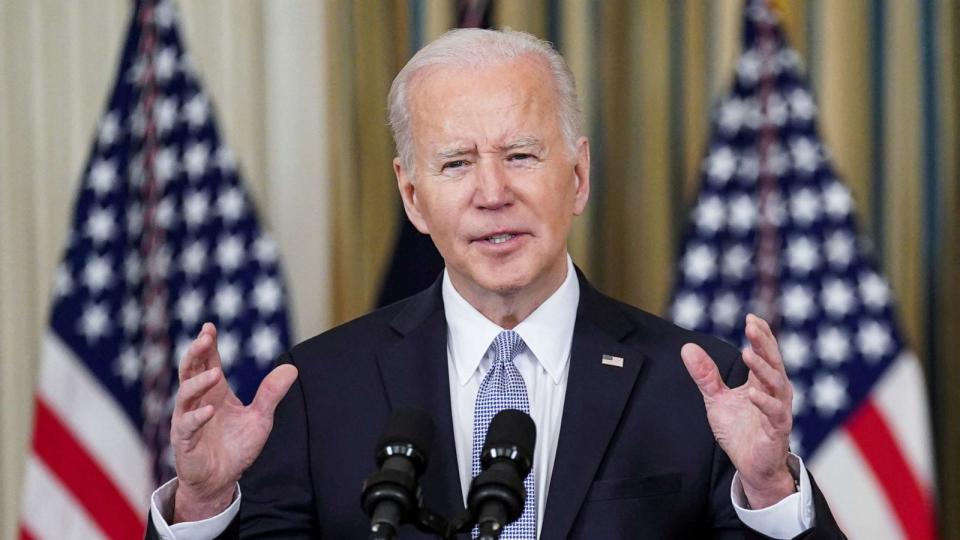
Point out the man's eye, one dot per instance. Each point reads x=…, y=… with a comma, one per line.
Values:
x=454, y=164
x=520, y=157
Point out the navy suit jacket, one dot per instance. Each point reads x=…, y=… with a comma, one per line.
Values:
x=635, y=459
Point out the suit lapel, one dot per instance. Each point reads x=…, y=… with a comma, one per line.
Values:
x=414, y=373
x=596, y=396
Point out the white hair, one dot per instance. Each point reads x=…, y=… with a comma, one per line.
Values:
x=474, y=47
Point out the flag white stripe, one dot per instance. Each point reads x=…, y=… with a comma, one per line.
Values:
x=855, y=496
x=95, y=420
x=50, y=511
x=900, y=395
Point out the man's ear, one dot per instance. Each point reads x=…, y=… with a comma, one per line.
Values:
x=408, y=193
x=581, y=172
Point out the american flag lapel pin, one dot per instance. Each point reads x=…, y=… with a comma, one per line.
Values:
x=609, y=360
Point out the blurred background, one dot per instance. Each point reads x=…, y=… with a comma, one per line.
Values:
x=299, y=90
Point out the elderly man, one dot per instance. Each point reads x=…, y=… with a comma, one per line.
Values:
x=641, y=425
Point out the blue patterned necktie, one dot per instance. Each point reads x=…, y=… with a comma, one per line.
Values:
x=503, y=388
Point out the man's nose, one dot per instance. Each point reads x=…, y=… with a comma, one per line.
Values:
x=493, y=188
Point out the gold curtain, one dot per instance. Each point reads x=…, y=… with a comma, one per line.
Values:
x=362, y=65
x=369, y=40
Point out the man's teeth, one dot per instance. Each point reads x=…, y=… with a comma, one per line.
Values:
x=500, y=238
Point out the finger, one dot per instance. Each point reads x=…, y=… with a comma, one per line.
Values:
x=189, y=423
x=703, y=370
x=201, y=355
x=273, y=388
x=209, y=328
x=194, y=388
x=769, y=377
x=192, y=362
x=776, y=412
x=763, y=342
x=760, y=335
x=212, y=352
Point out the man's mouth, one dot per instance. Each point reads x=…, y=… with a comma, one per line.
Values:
x=500, y=238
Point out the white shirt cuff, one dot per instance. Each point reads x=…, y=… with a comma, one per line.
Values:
x=786, y=519
x=161, y=506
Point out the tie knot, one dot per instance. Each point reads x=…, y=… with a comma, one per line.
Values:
x=508, y=344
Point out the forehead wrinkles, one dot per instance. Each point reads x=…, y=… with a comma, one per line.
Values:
x=451, y=110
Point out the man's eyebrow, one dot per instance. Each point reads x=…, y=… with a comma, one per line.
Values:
x=522, y=142
x=458, y=151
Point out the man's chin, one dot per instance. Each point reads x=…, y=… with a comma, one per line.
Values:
x=502, y=287
x=502, y=282
x=510, y=279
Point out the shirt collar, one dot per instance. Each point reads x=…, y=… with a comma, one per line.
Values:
x=548, y=331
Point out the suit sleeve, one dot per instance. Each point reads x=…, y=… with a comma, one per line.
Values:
x=826, y=527
x=277, y=490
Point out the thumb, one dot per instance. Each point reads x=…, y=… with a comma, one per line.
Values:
x=273, y=387
x=703, y=370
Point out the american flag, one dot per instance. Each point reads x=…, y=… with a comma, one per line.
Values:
x=774, y=232
x=163, y=238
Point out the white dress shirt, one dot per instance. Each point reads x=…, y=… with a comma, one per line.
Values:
x=544, y=365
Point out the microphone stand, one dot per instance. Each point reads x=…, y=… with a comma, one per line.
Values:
x=431, y=522
x=392, y=496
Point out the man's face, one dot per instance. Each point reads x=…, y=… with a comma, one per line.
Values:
x=496, y=184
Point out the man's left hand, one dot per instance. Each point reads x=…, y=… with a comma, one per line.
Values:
x=751, y=422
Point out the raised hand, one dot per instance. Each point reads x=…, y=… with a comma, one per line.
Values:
x=751, y=422
x=214, y=436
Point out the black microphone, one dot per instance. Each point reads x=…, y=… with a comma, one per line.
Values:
x=497, y=494
x=392, y=496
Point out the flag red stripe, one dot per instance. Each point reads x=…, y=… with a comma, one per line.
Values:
x=25, y=534
x=910, y=501
x=78, y=471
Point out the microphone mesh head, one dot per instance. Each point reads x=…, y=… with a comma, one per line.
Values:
x=511, y=427
x=408, y=425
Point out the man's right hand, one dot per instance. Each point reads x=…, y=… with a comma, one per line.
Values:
x=214, y=436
